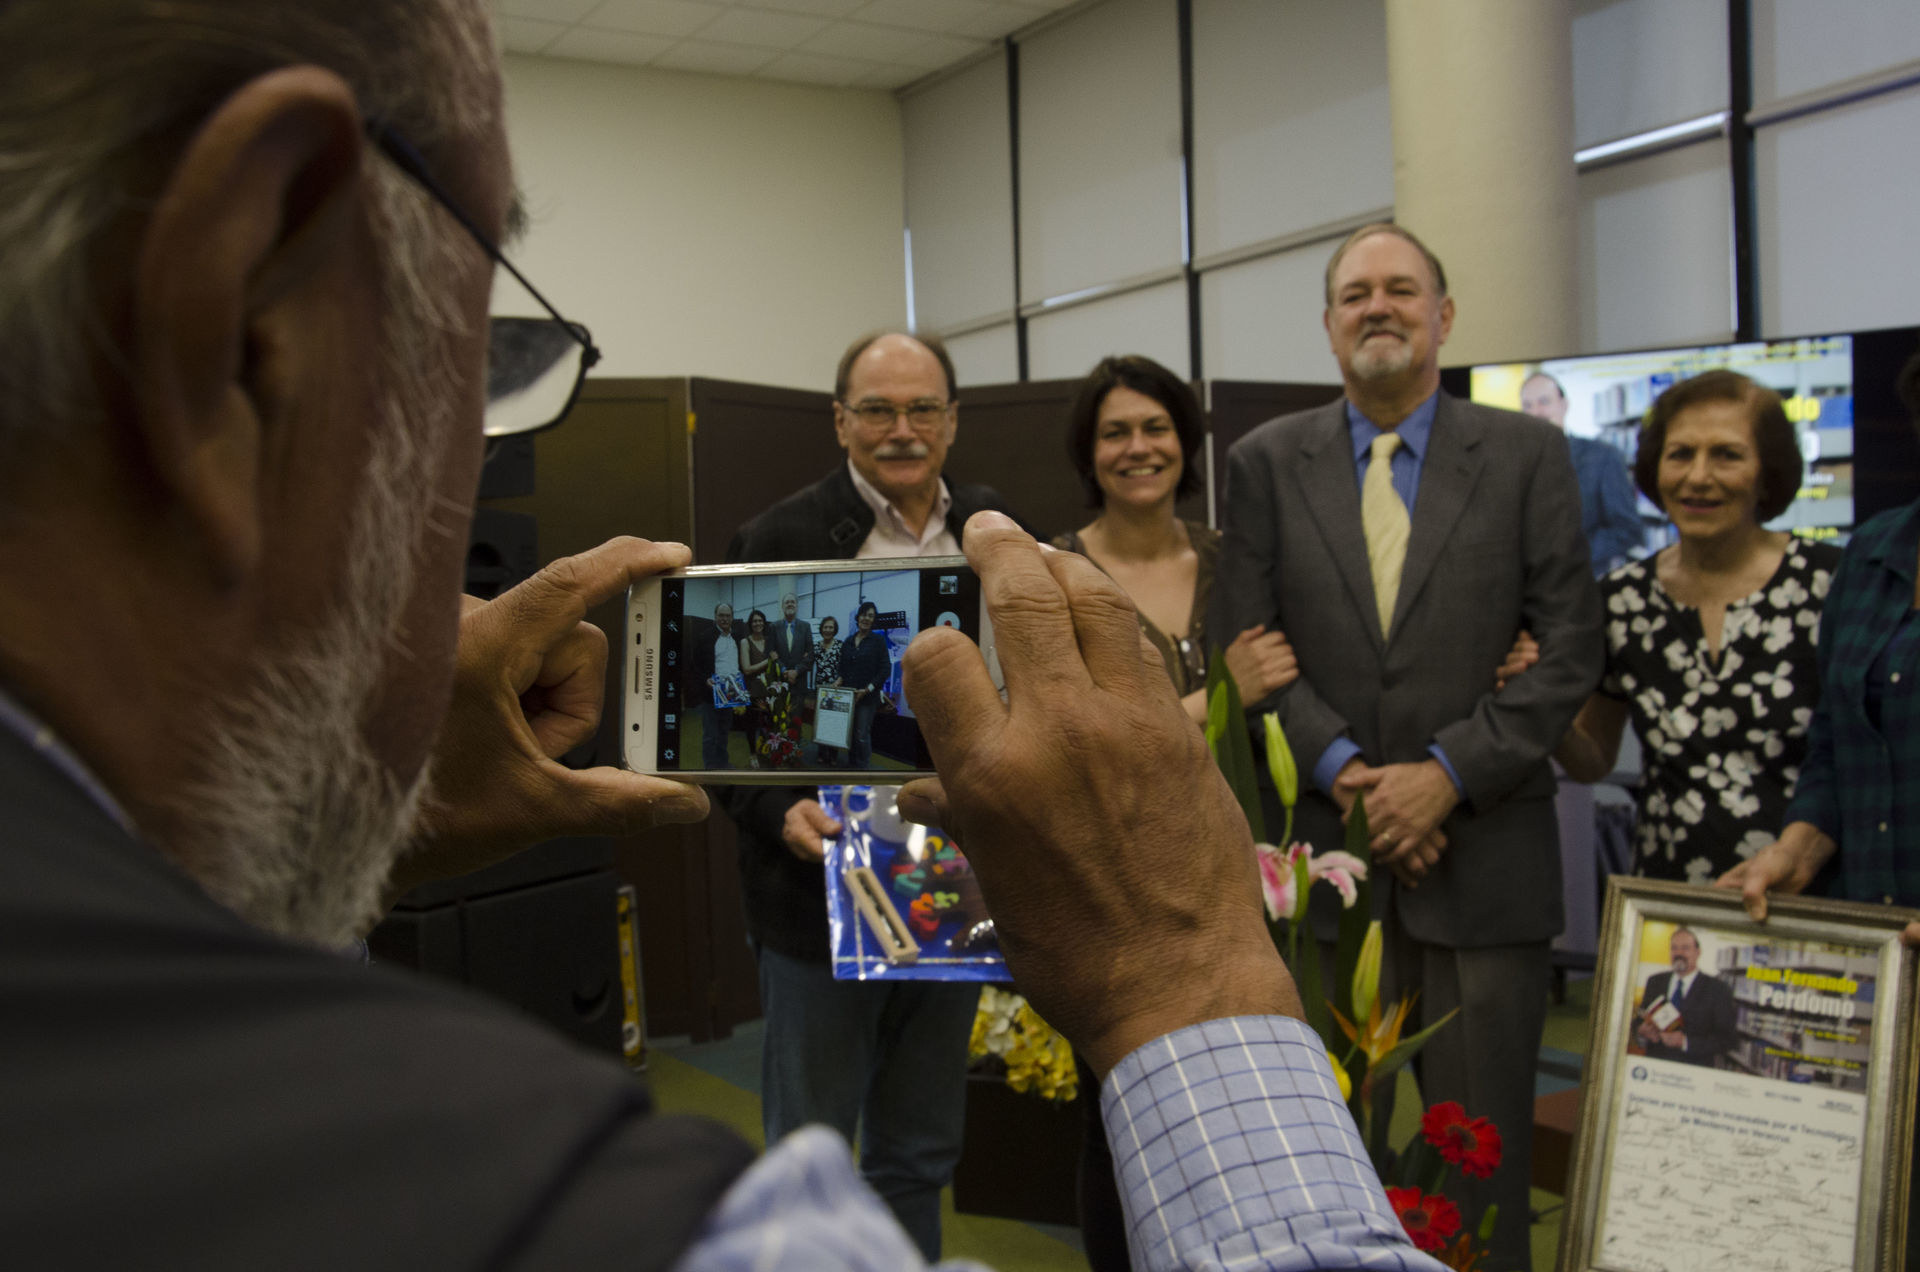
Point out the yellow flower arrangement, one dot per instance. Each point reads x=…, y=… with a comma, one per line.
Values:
x=1036, y=1058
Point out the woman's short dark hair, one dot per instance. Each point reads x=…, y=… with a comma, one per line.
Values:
x=1142, y=375
x=759, y=614
x=1781, y=465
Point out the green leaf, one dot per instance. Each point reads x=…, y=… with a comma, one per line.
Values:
x=1232, y=747
x=1359, y=838
x=1487, y=1221
x=1417, y=1163
x=1313, y=998
x=1353, y=934
x=1394, y=1060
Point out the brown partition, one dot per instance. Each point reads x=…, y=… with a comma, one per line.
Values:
x=1237, y=407
x=752, y=446
x=620, y=465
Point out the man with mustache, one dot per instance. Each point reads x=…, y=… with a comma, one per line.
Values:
x=886, y=1058
x=1401, y=538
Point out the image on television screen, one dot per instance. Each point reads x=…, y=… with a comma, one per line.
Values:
x=1608, y=395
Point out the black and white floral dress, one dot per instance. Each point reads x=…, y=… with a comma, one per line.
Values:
x=1722, y=743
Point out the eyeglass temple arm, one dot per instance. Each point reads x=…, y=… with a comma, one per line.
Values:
x=414, y=164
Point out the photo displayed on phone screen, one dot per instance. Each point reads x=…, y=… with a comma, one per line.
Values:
x=799, y=671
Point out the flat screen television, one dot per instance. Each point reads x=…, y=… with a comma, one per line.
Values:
x=1838, y=389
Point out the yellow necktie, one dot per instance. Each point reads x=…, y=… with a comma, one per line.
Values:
x=1383, y=519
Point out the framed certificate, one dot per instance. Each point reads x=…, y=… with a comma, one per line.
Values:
x=1748, y=1098
x=833, y=717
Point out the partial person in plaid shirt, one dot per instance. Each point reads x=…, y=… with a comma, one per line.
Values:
x=1853, y=828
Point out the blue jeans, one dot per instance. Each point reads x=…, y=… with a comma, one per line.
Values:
x=713, y=736
x=887, y=1056
x=860, y=730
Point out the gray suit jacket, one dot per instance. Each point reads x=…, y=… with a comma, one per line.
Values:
x=1495, y=545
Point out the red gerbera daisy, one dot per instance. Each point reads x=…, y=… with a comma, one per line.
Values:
x=1428, y=1219
x=1473, y=1146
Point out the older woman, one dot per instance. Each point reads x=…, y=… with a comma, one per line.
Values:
x=826, y=672
x=1710, y=643
x=1133, y=432
x=1853, y=828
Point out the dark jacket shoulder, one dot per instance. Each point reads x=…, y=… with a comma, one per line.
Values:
x=829, y=521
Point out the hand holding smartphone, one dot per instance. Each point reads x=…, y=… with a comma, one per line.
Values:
x=787, y=672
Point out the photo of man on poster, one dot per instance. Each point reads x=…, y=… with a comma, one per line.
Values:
x=1686, y=1013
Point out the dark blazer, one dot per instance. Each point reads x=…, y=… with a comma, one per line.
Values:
x=1706, y=1018
x=786, y=897
x=795, y=654
x=1495, y=545
x=285, y=1090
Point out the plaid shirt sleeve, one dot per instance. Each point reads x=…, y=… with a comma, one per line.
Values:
x=1813, y=793
x=1234, y=1151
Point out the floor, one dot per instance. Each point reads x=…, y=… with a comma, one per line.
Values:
x=722, y=1080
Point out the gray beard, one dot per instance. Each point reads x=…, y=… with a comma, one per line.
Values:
x=298, y=823
x=1381, y=364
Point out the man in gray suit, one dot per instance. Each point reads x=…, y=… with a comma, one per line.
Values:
x=1401, y=538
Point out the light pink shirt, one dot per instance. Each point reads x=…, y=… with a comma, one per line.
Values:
x=891, y=536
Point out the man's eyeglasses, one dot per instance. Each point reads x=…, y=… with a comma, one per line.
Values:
x=534, y=365
x=877, y=415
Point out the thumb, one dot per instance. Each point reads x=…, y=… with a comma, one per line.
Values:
x=819, y=818
x=613, y=801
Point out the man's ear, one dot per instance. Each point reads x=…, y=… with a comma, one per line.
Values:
x=842, y=422
x=261, y=201
x=1446, y=318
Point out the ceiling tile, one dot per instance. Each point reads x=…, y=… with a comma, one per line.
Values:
x=999, y=20
x=925, y=15
x=891, y=77
x=609, y=46
x=893, y=45
x=524, y=35
x=653, y=17
x=568, y=11
x=860, y=40
x=809, y=68
x=819, y=8
x=936, y=51
x=716, y=59
x=763, y=28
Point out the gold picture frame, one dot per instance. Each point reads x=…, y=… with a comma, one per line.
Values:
x=1758, y=1104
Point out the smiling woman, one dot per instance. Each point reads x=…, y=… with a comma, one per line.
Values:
x=1710, y=645
x=1133, y=433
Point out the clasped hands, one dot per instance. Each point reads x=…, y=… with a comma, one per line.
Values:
x=1406, y=803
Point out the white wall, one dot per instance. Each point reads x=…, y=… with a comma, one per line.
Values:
x=701, y=225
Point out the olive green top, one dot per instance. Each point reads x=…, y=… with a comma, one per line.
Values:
x=1185, y=656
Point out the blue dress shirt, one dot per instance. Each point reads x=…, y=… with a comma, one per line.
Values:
x=1416, y=431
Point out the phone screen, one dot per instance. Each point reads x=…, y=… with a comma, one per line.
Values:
x=799, y=671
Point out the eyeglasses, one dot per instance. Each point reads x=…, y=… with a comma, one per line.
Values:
x=535, y=366
x=877, y=415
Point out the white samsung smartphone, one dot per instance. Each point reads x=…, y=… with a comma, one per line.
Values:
x=787, y=672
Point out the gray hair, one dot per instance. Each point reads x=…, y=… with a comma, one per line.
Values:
x=94, y=92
